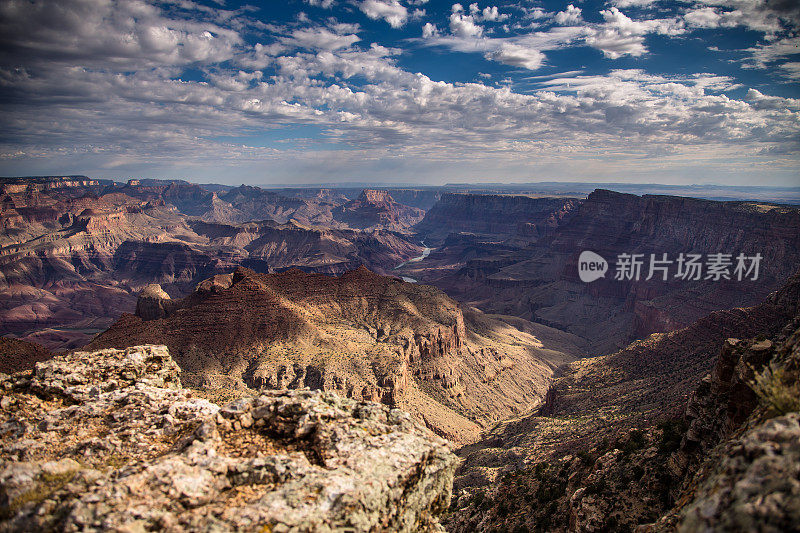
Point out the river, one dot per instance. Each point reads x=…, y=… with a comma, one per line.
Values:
x=425, y=253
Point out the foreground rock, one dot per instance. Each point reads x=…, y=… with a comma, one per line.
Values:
x=622, y=443
x=110, y=440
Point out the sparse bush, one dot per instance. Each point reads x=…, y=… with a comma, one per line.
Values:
x=586, y=457
x=636, y=441
x=775, y=391
x=672, y=435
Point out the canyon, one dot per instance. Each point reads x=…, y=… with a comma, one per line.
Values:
x=277, y=346
x=533, y=274
x=362, y=335
x=74, y=257
x=663, y=435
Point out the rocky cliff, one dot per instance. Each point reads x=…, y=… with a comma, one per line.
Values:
x=110, y=440
x=377, y=209
x=692, y=430
x=363, y=335
x=540, y=282
x=494, y=217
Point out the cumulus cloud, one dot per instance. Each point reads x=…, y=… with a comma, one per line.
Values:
x=429, y=30
x=463, y=25
x=389, y=10
x=320, y=39
x=569, y=17
x=517, y=56
x=106, y=86
x=704, y=17
x=633, y=3
x=325, y=4
x=490, y=13
x=620, y=35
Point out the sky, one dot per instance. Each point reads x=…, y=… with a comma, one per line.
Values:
x=402, y=91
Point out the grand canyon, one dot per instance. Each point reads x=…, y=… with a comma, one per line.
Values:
x=443, y=336
x=362, y=266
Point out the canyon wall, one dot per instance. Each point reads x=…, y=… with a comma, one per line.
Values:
x=493, y=217
x=362, y=335
x=540, y=281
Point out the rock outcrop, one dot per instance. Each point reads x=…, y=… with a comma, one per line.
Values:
x=110, y=440
x=618, y=446
x=362, y=335
x=153, y=303
x=377, y=209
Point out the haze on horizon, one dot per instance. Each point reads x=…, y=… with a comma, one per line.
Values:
x=403, y=91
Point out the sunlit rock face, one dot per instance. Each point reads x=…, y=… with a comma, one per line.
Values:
x=363, y=335
x=172, y=460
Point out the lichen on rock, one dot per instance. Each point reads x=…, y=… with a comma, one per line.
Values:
x=109, y=440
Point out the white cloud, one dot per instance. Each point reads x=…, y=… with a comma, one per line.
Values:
x=389, y=10
x=321, y=39
x=489, y=13
x=633, y=3
x=569, y=17
x=706, y=17
x=517, y=56
x=464, y=25
x=325, y=4
x=620, y=35
x=429, y=30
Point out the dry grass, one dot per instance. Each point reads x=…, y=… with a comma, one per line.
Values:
x=777, y=393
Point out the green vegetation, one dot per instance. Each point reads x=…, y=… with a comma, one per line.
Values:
x=776, y=391
x=45, y=487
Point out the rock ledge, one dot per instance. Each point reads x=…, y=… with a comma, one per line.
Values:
x=109, y=440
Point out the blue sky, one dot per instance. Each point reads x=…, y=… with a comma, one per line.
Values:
x=402, y=91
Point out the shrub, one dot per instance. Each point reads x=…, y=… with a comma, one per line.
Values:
x=671, y=435
x=636, y=441
x=774, y=390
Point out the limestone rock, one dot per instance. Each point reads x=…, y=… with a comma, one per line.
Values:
x=756, y=485
x=136, y=452
x=153, y=303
